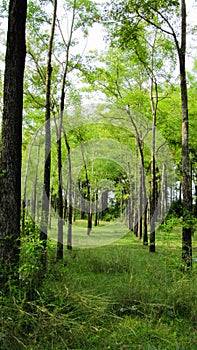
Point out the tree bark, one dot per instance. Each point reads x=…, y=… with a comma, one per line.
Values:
x=186, y=176
x=140, y=196
x=96, y=208
x=163, y=192
x=142, y=205
x=82, y=200
x=10, y=167
x=104, y=204
x=60, y=251
x=34, y=204
x=70, y=201
x=153, y=85
x=47, y=165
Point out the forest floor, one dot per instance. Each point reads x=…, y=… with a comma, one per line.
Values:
x=116, y=296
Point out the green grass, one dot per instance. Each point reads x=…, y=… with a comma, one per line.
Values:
x=116, y=296
x=103, y=234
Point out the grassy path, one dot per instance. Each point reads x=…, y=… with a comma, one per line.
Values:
x=103, y=234
x=116, y=296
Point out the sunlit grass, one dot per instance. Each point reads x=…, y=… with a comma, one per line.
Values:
x=103, y=234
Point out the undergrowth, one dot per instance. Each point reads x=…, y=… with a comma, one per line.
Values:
x=113, y=297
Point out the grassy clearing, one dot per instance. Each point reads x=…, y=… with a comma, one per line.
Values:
x=103, y=234
x=117, y=296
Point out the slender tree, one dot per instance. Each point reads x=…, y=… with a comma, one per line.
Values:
x=47, y=164
x=10, y=167
x=143, y=194
x=186, y=180
x=62, y=107
x=70, y=200
x=160, y=14
x=34, y=200
x=88, y=187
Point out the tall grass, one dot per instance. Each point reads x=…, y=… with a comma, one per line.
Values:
x=117, y=296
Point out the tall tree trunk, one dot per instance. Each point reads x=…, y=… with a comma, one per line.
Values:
x=62, y=106
x=96, y=208
x=135, y=211
x=163, y=193
x=130, y=200
x=145, y=234
x=51, y=202
x=145, y=208
x=65, y=203
x=89, y=223
x=142, y=206
x=25, y=180
x=70, y=208
x=34, y=204
x=104, y=204
x=10, y=167
x=153, y=195
x=186, y=176
x=153, y=85
x=47, y=165
x=75, y=204
x=82, y=201
x=60, y=197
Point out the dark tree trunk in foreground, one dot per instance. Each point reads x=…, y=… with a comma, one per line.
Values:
x=186, y=176
x=10, y=167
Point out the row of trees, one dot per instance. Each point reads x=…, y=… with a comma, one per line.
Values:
x=134, y=74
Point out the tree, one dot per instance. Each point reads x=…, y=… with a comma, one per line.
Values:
x=130, y=87
x=129, y=19
x=10, y=168
x=59, y=142
x=186, y=180
x=47, y=164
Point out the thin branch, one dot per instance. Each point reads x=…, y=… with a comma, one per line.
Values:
x=154, y=24
x=39, y=69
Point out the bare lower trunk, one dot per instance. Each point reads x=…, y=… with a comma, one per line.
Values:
x=60, y=251
x=47, y=165
x=70, y=209
x=163, y=193
x=145, y=234
x=186, y=176
x=34, y=204
x=96, y=209
x=89, y=226
x=154, y=104
x=10, y=164
x=140, y=202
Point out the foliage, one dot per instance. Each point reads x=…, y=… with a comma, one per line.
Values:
x=176, y=209
x=30, y=270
